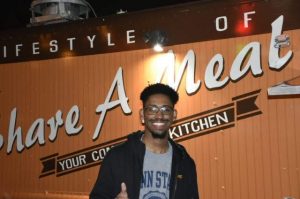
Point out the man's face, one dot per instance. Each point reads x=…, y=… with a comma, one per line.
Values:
x=158, y=115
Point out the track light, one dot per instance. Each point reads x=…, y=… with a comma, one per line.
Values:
x=56, y=11
x=157, y=39
x=158, y=48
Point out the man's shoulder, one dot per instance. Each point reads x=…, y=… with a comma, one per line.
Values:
x=126, y=146
x=182, y=152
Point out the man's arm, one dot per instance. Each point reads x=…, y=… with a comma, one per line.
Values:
x=104, y=186
x=194, y=184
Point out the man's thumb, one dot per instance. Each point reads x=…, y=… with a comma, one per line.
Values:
x=123, y=187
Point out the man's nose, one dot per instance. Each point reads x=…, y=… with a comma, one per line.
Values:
x=159, y=114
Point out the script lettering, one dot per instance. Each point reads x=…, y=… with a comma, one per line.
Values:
x=14, y=134
x=72, y=120
x=274, y=61
x=188, y=64
x=38, y=126
x=107, y=105
x=55, y=124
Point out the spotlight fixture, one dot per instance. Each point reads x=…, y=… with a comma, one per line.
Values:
x=157, y=39
x=57, y=11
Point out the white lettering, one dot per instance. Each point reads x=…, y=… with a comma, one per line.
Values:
x=72, y=120
x=172, y=133
x=18, y=49
x=91, y=40
x=35, y=48
x=189, y=63
x=129, y=37
x=246, y=18
x=82, y=159
x=186, y=127
x=36, y=132
x=224, y=118
x=274, y=61
x=73, y=162
x=1, y=141
x=180, y=130
x=14, y=134
x=53, y=46
x=4, y=52
x=100, y=154
x=62, y=163
x=118, y=81
x=194, y=125
x=55, y=124
x=109, y=43
x=30, y=138
x=253, y=62
x=225, y=25
x=203, y=123
x=211, y=79
x=71, y=42
x=211, y=120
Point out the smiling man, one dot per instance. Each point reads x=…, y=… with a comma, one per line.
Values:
x=149, y=165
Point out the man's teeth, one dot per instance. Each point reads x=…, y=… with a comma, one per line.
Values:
x=158, y=123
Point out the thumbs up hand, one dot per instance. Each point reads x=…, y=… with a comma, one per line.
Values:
x=123, y=194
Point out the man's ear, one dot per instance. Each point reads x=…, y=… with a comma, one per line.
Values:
x=142, y=116
x=174, y=114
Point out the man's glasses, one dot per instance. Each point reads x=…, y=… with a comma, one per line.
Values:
x=153, y=109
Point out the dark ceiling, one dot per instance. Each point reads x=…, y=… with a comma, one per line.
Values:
x=16, y=14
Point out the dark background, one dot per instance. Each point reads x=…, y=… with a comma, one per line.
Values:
x=16, y=14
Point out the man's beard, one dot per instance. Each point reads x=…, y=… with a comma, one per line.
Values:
x=159, y=135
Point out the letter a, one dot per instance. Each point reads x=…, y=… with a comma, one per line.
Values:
x=118, y=81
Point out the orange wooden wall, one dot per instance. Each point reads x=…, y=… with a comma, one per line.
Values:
x=259, y=158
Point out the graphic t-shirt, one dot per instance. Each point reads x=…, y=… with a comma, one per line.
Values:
x=156, y=177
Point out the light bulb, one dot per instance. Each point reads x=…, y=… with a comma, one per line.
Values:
x=158, y=48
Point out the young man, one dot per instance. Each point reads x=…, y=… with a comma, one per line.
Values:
x=149, y=164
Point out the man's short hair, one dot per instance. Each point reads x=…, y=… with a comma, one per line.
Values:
x=159, y=88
